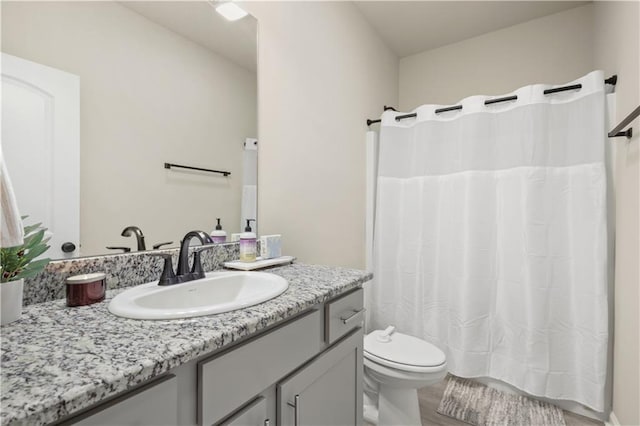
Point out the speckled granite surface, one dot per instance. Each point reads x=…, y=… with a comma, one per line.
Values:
x=58, y=360
x=123, y=270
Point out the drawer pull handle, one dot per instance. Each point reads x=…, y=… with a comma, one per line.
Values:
x=267, y=422
x=352, y=316
x=296, y=409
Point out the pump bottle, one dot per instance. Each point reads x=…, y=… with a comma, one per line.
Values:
x=248, y=246
x=218, y=235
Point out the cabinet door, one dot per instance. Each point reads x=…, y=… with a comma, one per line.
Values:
x=253, y=414
x=327, y=391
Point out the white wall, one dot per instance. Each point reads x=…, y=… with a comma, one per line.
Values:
x=553, y=49
x=617, y=51
x=322, y=72
x=148, y=96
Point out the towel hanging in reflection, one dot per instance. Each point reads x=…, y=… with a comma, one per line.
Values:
x=12, y=232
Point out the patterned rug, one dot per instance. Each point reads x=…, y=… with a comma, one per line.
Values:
x=477, y=404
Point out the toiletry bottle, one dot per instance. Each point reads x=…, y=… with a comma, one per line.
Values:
x=248, y=244
x=218, y=235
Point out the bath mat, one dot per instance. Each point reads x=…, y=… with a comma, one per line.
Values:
x=480, y=405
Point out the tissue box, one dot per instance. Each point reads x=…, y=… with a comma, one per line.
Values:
x=270, y=246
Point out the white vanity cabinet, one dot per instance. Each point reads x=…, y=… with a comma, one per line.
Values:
x=305, y=371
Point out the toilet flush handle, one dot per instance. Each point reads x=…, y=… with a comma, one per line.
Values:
x=385, y=336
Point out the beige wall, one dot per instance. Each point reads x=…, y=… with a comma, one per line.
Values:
x=148, y=96
x=555, y=49
x=322, y=73
x=552, y=49
x=617, y=51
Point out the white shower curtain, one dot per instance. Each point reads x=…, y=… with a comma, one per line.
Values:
x=491, y=237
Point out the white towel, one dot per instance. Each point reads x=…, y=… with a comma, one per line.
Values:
x=12, y=232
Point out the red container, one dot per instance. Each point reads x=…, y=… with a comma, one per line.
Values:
x=86, y=289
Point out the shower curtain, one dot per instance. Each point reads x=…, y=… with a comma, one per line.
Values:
x=490, y=237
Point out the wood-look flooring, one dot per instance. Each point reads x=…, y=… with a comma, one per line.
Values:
x=430, y=397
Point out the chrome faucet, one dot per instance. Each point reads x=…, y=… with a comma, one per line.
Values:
x=183, y=272
x=134, y=230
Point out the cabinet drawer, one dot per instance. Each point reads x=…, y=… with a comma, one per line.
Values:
x=230, y=379
x=343, y=314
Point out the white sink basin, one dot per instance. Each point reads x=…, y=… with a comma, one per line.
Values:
x=216, y=293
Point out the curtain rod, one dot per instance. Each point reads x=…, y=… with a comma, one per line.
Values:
x=616, y=132
x=611, y=80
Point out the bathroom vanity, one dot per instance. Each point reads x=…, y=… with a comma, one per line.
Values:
x=296, y=359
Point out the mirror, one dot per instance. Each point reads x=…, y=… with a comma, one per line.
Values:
x=159, y=82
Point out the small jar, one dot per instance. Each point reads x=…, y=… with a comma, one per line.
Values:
x=86, y=289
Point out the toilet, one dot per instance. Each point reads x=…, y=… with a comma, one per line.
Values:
x=395, y=367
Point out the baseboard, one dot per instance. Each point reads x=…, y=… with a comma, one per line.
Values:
x=613, y=420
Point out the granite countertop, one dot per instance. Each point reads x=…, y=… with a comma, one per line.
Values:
x=57, y=360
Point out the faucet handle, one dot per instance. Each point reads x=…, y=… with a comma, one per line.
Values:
x=168, y=276
x=196, y=270
x=124, y=249
x=157, y=246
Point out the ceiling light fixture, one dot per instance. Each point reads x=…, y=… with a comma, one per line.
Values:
x=231, y=11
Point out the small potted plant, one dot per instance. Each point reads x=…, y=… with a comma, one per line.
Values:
x=18, y=263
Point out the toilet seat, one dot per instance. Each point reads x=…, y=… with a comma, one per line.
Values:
x=403, y=352
x=404, y=367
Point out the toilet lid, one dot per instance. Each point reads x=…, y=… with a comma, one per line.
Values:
x=402, y=350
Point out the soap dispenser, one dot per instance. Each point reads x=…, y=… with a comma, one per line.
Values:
x=218, y=235
x=248, y=244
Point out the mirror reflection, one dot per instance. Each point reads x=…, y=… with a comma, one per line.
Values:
x=98, y=96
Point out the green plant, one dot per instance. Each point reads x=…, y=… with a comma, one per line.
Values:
x=18, y=262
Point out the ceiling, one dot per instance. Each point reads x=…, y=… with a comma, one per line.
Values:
x=199, y=22
x=410, y=27
x=406, y=27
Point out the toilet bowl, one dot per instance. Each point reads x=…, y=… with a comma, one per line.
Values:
x=395, y=367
